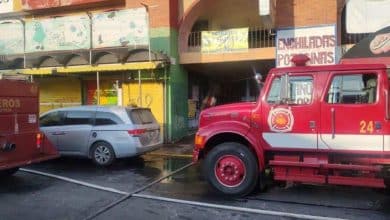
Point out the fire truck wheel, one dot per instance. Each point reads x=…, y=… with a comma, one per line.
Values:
x=231, y=168
x=102, y=154
x=387, y=183
x=9, y=172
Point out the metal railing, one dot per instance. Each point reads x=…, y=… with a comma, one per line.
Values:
x=257, y=38
x=262, y=38
x=347, y=38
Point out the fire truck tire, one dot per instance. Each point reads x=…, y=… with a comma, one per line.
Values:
x=102, y=154
x=387, y=183
x=9, y=172
x=231, y=168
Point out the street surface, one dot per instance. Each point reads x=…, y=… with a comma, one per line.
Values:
x=184, y=195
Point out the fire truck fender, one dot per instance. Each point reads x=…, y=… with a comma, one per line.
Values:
x=231, y=132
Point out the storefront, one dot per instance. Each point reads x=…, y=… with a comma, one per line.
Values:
x=137, y=84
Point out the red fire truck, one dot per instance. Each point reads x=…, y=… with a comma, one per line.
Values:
x=311, y=124
x=21, y=142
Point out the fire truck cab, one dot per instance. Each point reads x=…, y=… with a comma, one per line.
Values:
x=21, y=142
x=310, y=124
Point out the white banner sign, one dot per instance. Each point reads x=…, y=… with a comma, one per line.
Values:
x=367, y=16
x=264, y=7
x=6, y=6
x=318, y=43
x=120, y=28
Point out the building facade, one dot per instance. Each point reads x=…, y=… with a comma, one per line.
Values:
x=168, y=55
x=99, y=52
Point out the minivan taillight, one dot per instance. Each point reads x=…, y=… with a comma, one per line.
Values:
x=136, y=132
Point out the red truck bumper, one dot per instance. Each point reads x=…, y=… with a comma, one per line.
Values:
x=20, y=163
x=28, y=153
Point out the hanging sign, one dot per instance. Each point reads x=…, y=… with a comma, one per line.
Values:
x=126, y=28
x=6, y=6
x=318, y=43
x=230, y=40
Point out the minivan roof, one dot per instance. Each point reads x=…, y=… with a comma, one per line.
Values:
x=101, y=108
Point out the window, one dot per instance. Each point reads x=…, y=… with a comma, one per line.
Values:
x=105, y=118
x=141, y=116
x=300, y=90
x=274, y=93
x=353, y=89
x=52, y=119
x=79, y=118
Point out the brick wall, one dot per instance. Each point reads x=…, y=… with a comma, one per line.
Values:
x=300, y=13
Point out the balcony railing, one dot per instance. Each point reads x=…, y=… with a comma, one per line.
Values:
x=352, y=38
x=257, y=38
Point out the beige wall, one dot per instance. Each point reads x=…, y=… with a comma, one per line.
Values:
x=183, y=6
x=227, y=13
x=288, y=13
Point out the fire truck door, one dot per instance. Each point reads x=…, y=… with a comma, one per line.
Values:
x=291, y=123
x=352, y=113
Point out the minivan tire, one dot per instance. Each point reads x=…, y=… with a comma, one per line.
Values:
x=102, y=154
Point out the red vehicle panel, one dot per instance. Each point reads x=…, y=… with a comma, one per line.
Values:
x=21, y=142
x=322, y=124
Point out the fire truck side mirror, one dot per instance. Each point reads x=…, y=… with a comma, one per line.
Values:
x=284, y=89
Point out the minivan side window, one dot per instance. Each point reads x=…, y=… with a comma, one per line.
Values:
x=52, y=119
x=79, y=118
x=106, y=118
x=353, y=89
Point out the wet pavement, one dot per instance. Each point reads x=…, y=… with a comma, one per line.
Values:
x=28, y=196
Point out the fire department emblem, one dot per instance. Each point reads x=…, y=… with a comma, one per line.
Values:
x=280, y=120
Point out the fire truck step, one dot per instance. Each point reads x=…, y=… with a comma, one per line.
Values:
x=357, y=181
x=373, y=168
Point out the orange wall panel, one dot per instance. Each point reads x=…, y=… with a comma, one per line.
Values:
x=298, y=13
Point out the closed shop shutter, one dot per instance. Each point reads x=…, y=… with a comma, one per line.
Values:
x=58, y=92
x=152, y=97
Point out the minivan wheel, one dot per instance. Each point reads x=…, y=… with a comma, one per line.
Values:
x=102, y=154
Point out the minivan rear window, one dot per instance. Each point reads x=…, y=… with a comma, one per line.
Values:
x=141, y=116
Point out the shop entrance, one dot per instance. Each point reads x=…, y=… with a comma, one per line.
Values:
x=228, y=82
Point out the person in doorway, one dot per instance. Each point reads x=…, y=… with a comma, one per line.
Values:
x=210, y=100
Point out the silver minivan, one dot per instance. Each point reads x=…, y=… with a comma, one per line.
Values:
x=102, y=133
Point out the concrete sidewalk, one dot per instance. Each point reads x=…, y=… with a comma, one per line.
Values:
x=181, y=148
